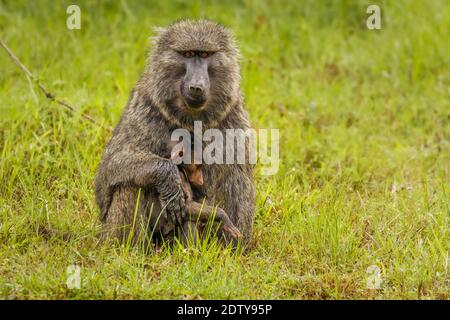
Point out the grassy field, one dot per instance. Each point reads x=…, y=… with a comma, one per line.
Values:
x=365, y=151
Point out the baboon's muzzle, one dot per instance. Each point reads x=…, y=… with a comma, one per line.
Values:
x=195, y=84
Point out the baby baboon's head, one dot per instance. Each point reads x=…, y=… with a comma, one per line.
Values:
x=193, y=171
x=193, y=71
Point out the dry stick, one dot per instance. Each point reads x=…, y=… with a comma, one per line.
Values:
x=47, y=93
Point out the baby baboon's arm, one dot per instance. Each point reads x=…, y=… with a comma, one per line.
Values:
x=197, y=212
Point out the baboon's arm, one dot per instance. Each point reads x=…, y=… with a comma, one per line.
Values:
x=141, y=169
x=133, y=167
x=197, y=212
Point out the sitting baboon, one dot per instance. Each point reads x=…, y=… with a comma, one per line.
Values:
x=192, y=74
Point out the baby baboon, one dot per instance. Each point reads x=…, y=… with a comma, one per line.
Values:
x=191, y=176
x=192, y=74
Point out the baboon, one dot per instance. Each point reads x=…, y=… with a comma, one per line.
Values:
x=192, y=74
x=191, y=176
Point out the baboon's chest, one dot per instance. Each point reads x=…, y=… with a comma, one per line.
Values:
x=217, y=180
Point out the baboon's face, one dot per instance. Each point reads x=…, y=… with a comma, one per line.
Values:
x=195, y=69
x=195, y=83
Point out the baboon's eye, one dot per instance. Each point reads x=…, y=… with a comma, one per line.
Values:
x=204, y=54
x=188, y=54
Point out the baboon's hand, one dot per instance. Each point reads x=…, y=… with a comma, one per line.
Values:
x=171, y=194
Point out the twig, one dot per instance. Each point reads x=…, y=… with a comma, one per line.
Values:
x=47, y=93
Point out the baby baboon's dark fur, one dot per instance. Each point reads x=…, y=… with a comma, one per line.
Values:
x=133, y=159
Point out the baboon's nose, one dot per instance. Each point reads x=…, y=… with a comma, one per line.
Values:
x=195, y=90
x=195, y=94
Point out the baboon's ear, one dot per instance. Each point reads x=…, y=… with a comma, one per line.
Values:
x=157, y=33
x=177, y=150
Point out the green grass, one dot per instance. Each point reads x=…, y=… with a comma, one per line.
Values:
x=365, y=151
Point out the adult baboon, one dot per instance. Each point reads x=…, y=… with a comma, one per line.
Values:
x=192, y=74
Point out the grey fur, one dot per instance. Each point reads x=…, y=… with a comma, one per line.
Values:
x=134, y=157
